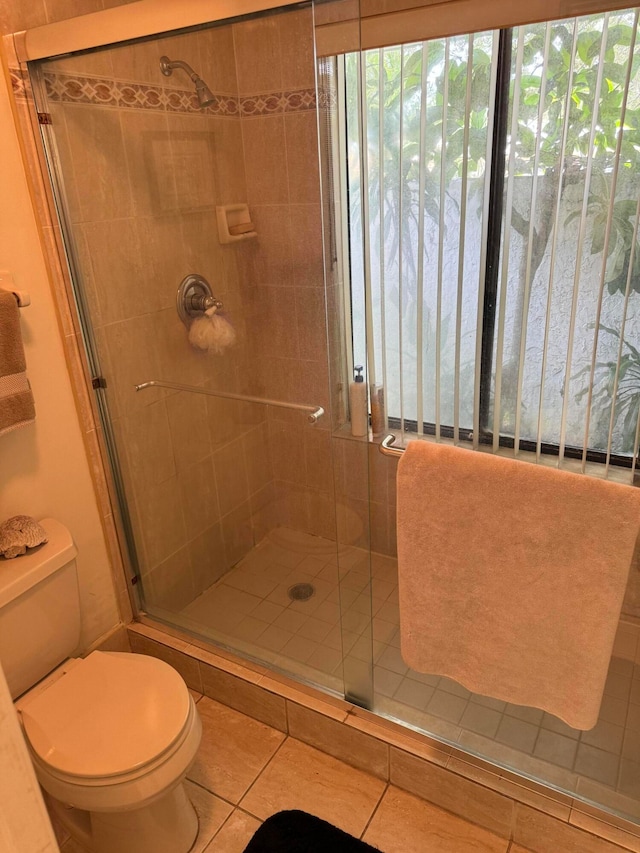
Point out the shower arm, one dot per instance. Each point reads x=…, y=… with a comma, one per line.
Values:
x=167, y=66
x=314, y=413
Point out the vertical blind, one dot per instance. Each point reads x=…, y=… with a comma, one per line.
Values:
x=548, y=332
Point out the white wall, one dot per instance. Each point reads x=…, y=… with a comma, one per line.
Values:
x=43, y=467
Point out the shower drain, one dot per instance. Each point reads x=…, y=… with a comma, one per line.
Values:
x=301, y=591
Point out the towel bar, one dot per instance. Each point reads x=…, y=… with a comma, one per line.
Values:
x=314, y=413
x=387, y=449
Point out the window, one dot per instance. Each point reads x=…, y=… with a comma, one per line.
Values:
x=493, y=233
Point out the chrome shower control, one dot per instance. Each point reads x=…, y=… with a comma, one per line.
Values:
x=194, y=297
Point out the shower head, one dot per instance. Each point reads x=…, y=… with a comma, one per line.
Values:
x=203, y=92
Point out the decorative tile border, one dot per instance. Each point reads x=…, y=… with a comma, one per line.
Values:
x=103, y=92
x=100, y=91
x=17, y=84
x=278, y=102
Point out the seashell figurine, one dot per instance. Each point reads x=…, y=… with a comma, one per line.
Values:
x=19, y=533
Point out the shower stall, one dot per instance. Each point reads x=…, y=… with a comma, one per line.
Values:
x=254, y=520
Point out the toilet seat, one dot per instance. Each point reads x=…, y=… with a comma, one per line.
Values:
x=113, y=715
x=137, y=715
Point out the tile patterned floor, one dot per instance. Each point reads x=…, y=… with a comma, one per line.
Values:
x=253, y=610
x=246, y=771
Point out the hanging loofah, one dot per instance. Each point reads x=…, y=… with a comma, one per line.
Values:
x=212, y=334
x=19, y=533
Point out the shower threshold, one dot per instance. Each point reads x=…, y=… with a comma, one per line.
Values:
x=353, y=611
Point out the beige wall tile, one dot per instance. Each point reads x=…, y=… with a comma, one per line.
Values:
x=116, y=640
x=148, y=440
x=297, y=49
x=199, y=497
x=163, y=260
x=458, y=795
x=257, y=458
x=354, y=469
x=98, y=63
x=257, y=55
x=188, y=425
x=217, y=59
x=352, y=522
x=138, y=62
x=207, y=556
x=311, y=320
x=322, y=514
x=169, y=585
x=97, y=148
x=21, y=15
x=292, y=505
x=286, y=448
x=177, y=360
x=231, y=184
x=273, y=320
x=59, y=10
x=544, y=834
x=317, y=453
x=233, y=751
x=265, y=160
x=403, y=822
x=237, y=532
x=263, y=512
x=244, y=697
x=267, y=260
x=150, y=161
x=306, y=245
x=203, y=254
x=184, y=664
x=163, y=523
x=300, y=777
x=193, y=161
x=231, y=476
x=134, y=357
x=355, y=747
x=301, y=130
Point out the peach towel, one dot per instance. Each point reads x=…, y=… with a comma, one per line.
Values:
x=512, y=576
x=16, y=400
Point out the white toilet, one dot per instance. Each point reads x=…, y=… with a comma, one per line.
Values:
x=112, y=735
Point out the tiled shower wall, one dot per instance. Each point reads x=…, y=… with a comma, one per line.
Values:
x=275, y=54
x=144, y=170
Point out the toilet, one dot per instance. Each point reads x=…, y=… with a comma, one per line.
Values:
x=111, y=736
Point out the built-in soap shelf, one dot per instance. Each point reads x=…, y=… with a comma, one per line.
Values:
x=234, y=223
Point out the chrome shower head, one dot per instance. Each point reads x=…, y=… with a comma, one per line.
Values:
x=203, y=92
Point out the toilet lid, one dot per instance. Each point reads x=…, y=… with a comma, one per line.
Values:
x=110, y=714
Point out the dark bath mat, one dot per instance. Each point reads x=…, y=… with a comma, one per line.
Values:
x=299, y=832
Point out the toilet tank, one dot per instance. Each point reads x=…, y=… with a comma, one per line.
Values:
x=39, y=609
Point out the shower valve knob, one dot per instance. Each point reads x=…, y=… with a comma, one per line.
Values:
x=194, y=298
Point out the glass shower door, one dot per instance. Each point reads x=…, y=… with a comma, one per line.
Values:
x=227, y=490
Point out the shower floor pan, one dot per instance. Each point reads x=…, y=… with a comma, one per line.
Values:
x=282, y=604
